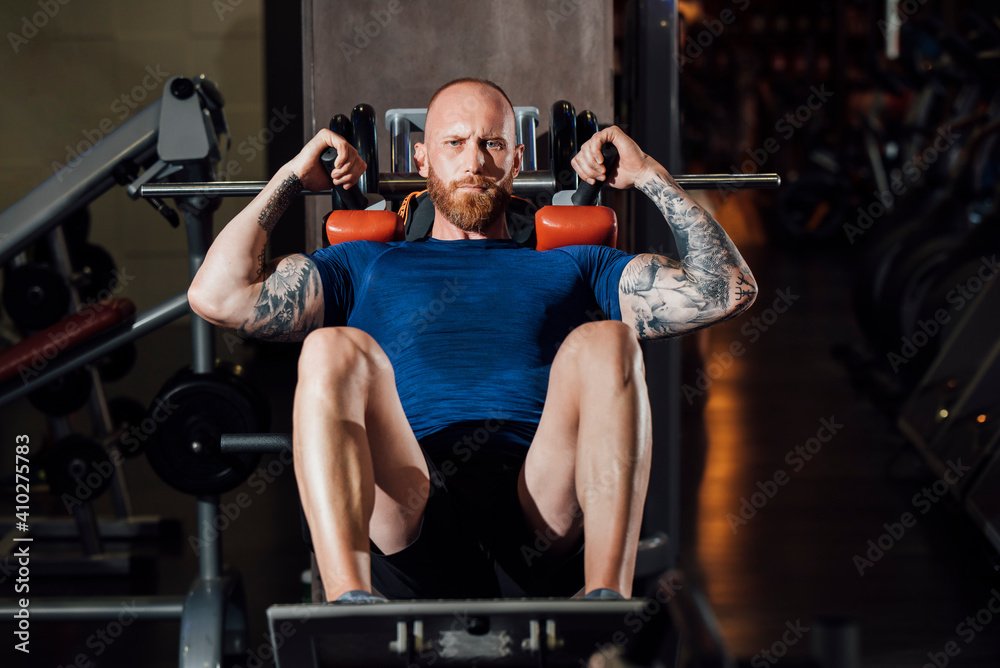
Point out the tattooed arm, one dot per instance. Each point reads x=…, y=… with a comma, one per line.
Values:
x=660, y=296
x=281, y=300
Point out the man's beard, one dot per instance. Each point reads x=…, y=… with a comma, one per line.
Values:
x=470, y=210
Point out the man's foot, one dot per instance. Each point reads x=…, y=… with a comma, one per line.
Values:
x=604, y=595
x=359, y=596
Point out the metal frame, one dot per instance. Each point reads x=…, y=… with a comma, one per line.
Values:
x=651, y=78
x=213, y=613
x=532, y=182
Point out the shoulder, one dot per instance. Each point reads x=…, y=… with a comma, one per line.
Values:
x=351, y=252
x=592, y=256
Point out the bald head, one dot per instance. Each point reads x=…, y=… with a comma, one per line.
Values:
x=460, y=98
x=470, y=157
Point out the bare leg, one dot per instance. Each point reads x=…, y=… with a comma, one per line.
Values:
x=358, y=466
x=591, y=453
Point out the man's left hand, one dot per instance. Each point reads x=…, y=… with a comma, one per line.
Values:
x=632, y=162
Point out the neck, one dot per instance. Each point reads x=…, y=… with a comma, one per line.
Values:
x=444, y=229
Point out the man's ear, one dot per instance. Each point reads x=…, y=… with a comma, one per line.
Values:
x=420, y=157
x=518, y=159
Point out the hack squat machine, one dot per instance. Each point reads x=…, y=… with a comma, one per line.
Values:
x=169, y=149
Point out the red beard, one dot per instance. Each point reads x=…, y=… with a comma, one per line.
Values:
x=470, y=210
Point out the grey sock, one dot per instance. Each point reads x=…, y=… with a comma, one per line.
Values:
x=360, y=596
x=603, y=595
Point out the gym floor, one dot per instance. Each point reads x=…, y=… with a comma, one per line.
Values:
x=787, y=561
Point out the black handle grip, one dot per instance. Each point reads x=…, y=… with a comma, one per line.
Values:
x=586, y=194
x=352, y=199
x=342, y=126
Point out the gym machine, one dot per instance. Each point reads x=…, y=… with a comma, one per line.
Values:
x=506, y=632
x=176, y=137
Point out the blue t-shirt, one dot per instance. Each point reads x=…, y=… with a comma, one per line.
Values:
x=471, y=326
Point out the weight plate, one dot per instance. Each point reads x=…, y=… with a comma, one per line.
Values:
x=34, y=296
x=96, y=272
x=188, y=417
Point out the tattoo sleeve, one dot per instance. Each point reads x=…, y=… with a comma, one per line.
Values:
x=663, y=297
x=290, y=304
x=273, y=208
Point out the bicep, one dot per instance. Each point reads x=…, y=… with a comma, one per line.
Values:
x=288, y=303
x=659, y=298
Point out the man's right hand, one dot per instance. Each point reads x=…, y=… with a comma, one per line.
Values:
x=346, y=171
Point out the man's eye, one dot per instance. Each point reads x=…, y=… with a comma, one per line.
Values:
x=454, y=142
x=494, y=143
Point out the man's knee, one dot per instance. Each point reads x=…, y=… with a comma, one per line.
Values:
x=602, y=347
x=339, y=353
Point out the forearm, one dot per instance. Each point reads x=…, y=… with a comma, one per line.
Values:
x=709, y=259
x=236, y=260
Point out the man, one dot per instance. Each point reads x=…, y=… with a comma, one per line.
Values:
x=461, y=417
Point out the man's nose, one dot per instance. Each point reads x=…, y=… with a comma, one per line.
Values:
x=473, y=158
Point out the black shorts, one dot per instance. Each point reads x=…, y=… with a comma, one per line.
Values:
x=474, y=541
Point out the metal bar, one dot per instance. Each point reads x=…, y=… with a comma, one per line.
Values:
x=199, y=238
x=401, y=156
x=145, y=323
x=526, y=131
x=83, y=178
x=531, y=182
x=265, y=443
x=100, y=607
x=652, y=113
x=209, y=538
